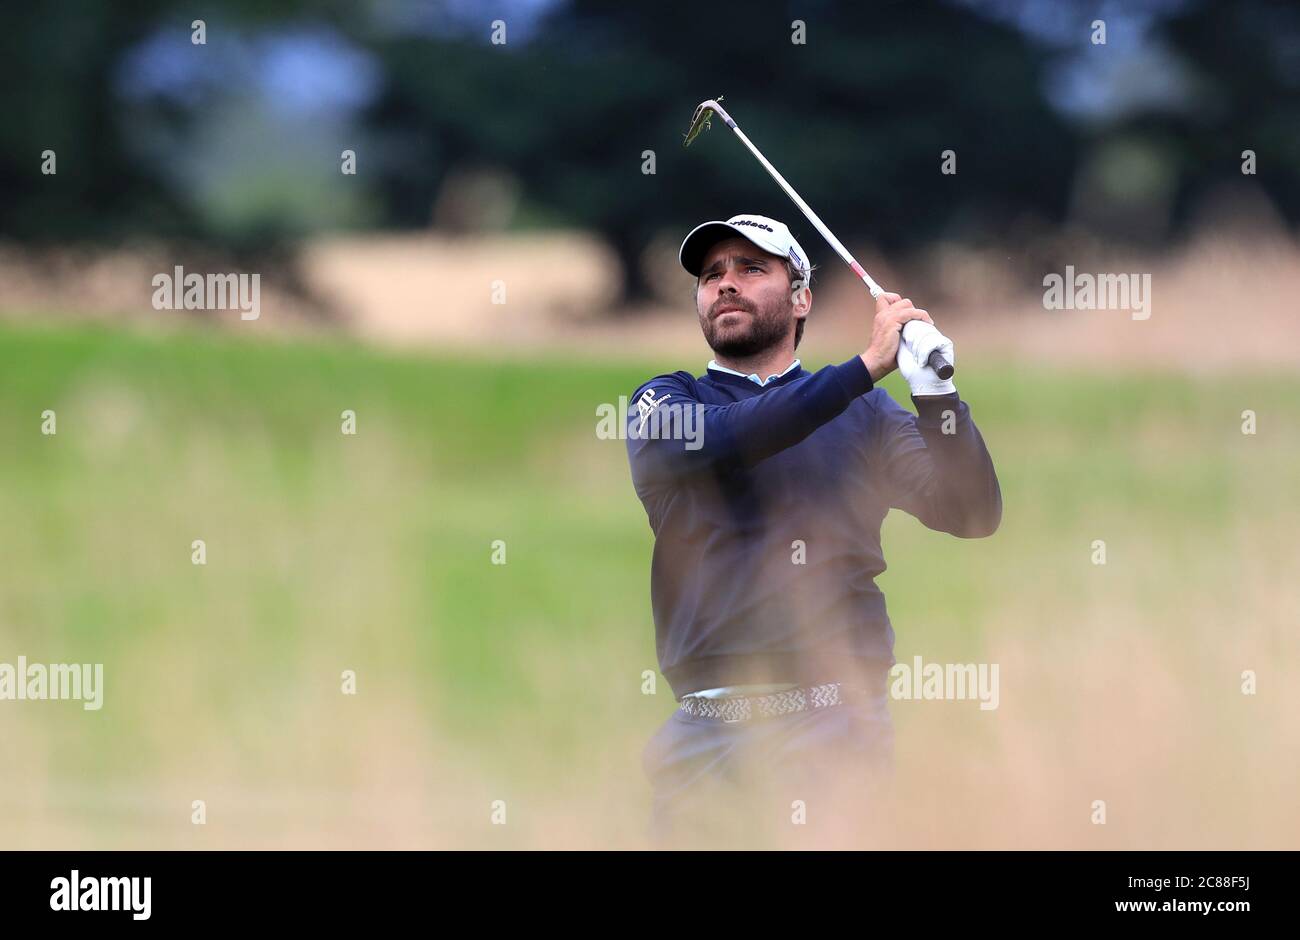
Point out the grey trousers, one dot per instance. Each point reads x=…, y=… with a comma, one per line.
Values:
x=769, y=782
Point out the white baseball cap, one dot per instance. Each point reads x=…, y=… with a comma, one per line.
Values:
x=769, y=234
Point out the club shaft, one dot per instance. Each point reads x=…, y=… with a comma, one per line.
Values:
x=806, y=209
x=937, y=361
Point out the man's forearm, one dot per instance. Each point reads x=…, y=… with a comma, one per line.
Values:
x=959, y=492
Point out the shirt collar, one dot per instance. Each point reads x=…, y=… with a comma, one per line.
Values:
x=753, y=376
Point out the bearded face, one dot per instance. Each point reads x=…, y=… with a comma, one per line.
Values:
x=744, y=299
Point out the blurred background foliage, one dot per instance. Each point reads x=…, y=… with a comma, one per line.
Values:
x=236, y=143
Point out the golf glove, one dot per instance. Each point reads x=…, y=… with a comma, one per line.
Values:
x=919, y=340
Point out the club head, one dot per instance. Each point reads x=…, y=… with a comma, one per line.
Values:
x=700, y=120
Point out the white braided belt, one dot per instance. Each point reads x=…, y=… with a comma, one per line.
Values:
x=772, y=705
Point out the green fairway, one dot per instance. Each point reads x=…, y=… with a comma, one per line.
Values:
x=523, y=681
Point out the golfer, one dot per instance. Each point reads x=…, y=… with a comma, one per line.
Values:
x=765, y=486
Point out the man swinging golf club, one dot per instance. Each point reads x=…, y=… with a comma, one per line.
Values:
x=766, y=486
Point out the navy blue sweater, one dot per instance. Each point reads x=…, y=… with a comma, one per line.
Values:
x=766, y=504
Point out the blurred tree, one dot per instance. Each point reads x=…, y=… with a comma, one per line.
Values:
x=57, y=95
x=856, y=117
x=1245, y=60
x=62, y=92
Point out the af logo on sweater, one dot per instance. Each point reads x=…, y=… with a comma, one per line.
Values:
x=645, y=406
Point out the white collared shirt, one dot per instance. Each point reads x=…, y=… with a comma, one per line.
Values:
x=753, y=376
x=728, y=691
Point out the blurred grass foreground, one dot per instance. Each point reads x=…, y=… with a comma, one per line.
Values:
x=522, y=682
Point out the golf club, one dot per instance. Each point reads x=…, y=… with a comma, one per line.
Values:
x=914, y=330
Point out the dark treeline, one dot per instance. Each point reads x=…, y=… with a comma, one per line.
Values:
x=237, y=141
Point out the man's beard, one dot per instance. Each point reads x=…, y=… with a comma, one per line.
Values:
x=768, y=326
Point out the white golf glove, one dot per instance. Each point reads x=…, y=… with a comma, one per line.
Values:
x=918, y=341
